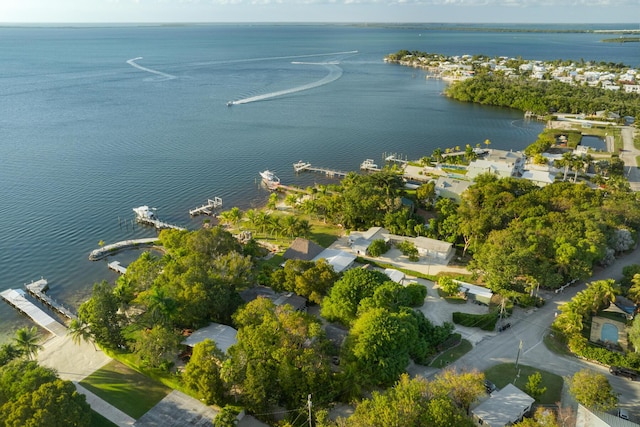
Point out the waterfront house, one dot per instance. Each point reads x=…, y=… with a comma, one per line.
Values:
x=502, y=163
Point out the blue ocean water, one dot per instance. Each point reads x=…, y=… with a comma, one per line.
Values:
x=95, y=121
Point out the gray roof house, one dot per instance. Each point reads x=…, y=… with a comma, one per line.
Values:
x=503, y=407
x=436, y=250
x=588, y=418
x=451, y=188
x=224, y=336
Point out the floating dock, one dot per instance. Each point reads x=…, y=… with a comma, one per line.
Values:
x=308, y=167
x=207, y=209
x=17, y=298
x=117, y=267
x=38, y=288
x=106, y=250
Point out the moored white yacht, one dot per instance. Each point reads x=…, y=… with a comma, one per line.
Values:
x=270, y=179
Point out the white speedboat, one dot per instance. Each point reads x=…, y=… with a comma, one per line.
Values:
x=270, y=179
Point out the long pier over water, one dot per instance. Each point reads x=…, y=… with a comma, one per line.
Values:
x=18, y=299
x=307, y=167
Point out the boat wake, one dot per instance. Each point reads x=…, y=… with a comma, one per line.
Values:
x=163, y=76
x=334, y=74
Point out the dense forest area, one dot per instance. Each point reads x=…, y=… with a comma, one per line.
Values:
x=542, y=97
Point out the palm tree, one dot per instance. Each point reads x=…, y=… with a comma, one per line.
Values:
x=79, y=332
x=273, y=225
x=160, y=306
x=304, y=228
x=261, y=221
x=273, y=201
x=251, y=215
x=289, y=225
x=27, y=341
x=291, y=200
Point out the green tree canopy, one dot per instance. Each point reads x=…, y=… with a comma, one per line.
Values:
x=409, y=403
x=202, y=372
x=309, y=279
x=100, y=312
x=356, y=284
x=593, y=390
x=280, y=357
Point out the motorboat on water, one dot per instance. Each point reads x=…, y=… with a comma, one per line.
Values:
x=229, y=104
x=270, y=179
x=145, y=213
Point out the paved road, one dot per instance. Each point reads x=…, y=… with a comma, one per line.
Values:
x=629, y=156
x=530, y=327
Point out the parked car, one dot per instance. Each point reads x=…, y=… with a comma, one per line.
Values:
x=489, y=386
x=504, y=327
x=624, y=372
x=623, y=413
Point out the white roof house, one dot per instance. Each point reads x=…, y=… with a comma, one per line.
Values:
x=339, y=260
x=395, y=275
x=224, y=336
x=436, y=250
x=482, y=166
x=478, y=293
x=503, y=407
x=360, y=240
x=539, y=178
x=451, y=188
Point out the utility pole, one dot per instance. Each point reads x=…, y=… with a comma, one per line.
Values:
x=309, y=405
x=518, y=356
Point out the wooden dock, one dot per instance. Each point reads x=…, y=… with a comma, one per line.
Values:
x=308, y=167
x=117, y=267
x=17, y=298
x=106, y=250
x=208, y=208
x=160, y=225
x=38, y=288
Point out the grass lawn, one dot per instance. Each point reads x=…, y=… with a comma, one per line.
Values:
x=503, y=374
x=126, y=389
x=451, y=354
x=98, y=420
x=556, y=345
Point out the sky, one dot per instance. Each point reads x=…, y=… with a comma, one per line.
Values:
x=425, y=11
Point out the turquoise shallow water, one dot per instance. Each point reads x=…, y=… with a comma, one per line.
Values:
x=95, y=121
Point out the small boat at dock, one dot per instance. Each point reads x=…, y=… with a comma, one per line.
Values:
x=300, y=166
x=270, y=179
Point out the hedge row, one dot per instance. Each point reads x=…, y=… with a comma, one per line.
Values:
x=486, y=322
